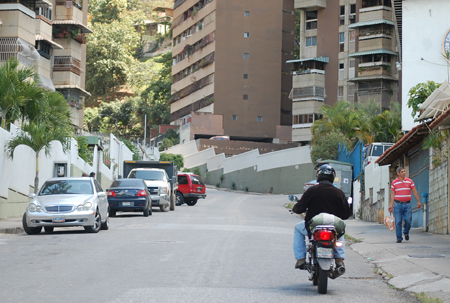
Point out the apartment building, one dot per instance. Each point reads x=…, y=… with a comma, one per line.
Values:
x=51, y=36
x=230, y=75
x=348, y=51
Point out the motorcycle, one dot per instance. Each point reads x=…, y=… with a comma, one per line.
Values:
x=320, y=263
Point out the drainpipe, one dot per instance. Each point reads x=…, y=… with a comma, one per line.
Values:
x=425, y=212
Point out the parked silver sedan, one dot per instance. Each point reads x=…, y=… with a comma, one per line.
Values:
x=67, y=202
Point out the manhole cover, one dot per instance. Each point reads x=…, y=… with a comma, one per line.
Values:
x=426, y=256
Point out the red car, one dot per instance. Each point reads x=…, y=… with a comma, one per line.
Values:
x=190, y=188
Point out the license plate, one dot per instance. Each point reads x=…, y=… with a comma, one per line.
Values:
x=58, y=219
x=127, y=203
x=199, y=189
x=323, y=252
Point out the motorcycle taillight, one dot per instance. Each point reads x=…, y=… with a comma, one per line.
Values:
x=323, y=235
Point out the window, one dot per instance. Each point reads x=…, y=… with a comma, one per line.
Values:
x=342, y=9
x=245, y=76
x=247, y=14
x=259, y=119
x=352, y=8
x=311, y=20
x=234, y=117
x=311, y=41
x=340, y=92
x=246, y=55
x=246, y=35
x=245, y=97
x=342, y=15
x=341, y=71
x=182, y=180
x=305, y=119
x=341, y=41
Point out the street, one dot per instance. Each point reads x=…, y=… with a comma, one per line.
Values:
x=230, y=247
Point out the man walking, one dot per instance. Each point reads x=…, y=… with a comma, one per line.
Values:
x=401, y=189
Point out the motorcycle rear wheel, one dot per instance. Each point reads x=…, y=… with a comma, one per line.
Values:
x=323, y=281
x=316, y=274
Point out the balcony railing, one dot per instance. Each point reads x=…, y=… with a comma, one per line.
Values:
x=67, y=63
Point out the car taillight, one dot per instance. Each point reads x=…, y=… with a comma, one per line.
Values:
x=142, y=193
x=111, y=193
x=323, y=235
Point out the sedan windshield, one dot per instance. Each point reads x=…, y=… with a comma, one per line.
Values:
x=63, y=187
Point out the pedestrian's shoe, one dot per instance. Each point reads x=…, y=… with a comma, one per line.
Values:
x=399, y=241
x=407, y=237
x=300, y=264
x=339, y=262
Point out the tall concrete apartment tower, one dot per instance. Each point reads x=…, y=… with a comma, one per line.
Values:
x=49, y=35
x=230, y=75
x=348, y=51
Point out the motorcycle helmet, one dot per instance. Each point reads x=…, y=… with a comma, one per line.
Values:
x=325, y=172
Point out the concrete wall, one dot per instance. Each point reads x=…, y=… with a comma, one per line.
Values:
x=425, y=24
x=17, y=174
x=438, y=200
x=375, y=201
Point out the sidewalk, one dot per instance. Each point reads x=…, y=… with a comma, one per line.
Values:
x=11, y=226
x=421, y=264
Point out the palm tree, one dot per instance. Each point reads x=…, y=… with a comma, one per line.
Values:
x=38, y=132
x=387, y=126
x=18, y=92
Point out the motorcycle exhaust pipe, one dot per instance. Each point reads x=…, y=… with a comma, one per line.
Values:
x=336, y=272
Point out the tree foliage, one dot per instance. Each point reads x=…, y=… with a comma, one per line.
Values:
x=178, y=160
x=327, y=145
x=419, y=93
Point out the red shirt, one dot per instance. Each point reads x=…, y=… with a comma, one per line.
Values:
x=402, y=189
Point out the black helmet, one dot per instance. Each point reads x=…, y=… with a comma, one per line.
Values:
x=325, y=172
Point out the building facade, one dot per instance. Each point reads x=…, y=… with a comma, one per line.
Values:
x=230, y=75
x=51, y=36
x=348, y=51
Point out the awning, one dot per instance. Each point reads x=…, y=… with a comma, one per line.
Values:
x=48, y=2
x=50, y=41
x=373, y=52
x=436, y=103
x=373, y=22
x=408, y=141
x=85, y=93
x=373, y=77
x=319, y=59
x=28, y=50
x=46, y=83
x=84, y=28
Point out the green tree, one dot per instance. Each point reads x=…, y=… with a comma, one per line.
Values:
x=40, y=132
x=132, y=148
x=178, y=160
x=419, y=93
x=387, y=126
x=327, y=145
x=84, y=152
x=18, y=96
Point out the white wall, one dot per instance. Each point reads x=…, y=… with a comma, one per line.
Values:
x=425, y=24
x=198, y=158
x=377, y=177
x=183, y=149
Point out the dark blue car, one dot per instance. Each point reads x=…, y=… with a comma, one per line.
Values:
x=129, y=195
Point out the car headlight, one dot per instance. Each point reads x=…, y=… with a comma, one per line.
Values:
x=163, y=190
x=84, y=207
x=34, y=208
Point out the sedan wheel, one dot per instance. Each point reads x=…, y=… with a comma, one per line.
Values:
x=165, y=208
x=105, y=225
x=30, y=230
x=146, y=211
x=97, y=224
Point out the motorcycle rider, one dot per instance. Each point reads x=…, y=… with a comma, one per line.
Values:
x=321, y=198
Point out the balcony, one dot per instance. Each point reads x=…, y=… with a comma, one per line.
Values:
x=375, y=13
x=68, y=10
x=66, y=63
x=310, y=4
x=307, y=93
x=374, y=68
x=377, y=42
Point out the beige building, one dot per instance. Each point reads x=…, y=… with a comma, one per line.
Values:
x=51, y=36
x=230, y=75
x=348, y=51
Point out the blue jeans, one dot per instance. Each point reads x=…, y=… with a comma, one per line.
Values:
x=300, y=246
x=402, y=212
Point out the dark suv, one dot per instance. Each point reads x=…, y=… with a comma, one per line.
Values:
x=190, y=188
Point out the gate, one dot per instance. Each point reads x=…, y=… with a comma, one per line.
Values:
x=419, y=173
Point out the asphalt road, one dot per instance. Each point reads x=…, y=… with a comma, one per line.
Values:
x=230, y=247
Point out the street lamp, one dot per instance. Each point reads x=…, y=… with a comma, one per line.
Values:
x=117, y=121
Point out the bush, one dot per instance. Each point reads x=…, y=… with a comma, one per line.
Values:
x=233, y=186
x=246, y=188
x=218, y=185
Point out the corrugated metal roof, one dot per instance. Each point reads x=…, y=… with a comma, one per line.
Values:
x=84, y=28
x=372, y=22
x=373, y=77
x=72, y=87
x=373, y=52
x=54, y=44
x=320, y=59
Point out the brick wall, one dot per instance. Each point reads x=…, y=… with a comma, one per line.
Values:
x=438, y=199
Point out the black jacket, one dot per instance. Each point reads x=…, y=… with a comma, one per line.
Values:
x=323, y=198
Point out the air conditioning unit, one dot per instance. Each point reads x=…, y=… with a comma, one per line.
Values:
x=351, y=17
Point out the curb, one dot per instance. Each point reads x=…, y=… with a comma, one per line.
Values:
x=12, y=230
